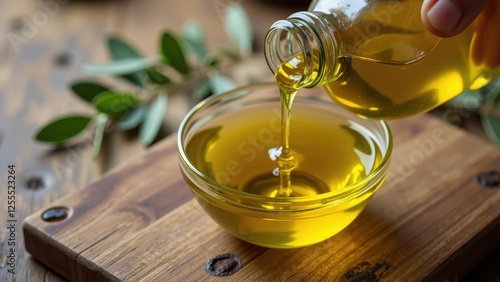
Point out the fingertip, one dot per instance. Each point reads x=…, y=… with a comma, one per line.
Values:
x=444, y=16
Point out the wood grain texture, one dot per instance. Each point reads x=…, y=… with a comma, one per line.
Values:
x=430, y=221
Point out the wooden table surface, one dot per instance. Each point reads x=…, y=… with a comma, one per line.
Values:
x=43, y=46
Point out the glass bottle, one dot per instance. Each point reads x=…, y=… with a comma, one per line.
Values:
x=374, y=57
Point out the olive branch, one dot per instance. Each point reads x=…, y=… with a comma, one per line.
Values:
x=150, y=80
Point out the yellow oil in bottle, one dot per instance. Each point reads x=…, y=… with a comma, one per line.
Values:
x=389, y=91
x=376, y=58
x=240, y=150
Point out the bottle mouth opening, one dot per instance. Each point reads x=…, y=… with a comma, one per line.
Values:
x=284, y=42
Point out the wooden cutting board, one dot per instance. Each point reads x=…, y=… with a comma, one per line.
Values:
x=431, y=220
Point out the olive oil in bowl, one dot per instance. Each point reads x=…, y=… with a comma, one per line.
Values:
x=231, y=149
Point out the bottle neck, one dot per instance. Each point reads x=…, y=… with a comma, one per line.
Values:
x=308, y=38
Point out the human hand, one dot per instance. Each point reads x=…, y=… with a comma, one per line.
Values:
x=446, y=18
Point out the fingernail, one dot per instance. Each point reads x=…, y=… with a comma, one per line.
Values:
x=444, y=16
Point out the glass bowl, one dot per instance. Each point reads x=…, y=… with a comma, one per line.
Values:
x=229, y=146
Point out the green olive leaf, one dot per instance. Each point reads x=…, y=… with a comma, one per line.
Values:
x=115, y=104
x=491, y=123
x=102, y=119
x=119, y=49
x=194, y=37
x=157, y=77
x=220, y=83
x=62, y=129
x=154, y=117
x=121, y=66
x=133, y=119
x=238, y=27
x=87, y=90
x=202, y=91
x=172, y=52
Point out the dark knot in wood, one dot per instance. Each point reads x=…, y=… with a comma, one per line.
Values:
x=489, y=179
x=35, y=183
x=223, y=265
x=55, y=214
x=62, y=59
